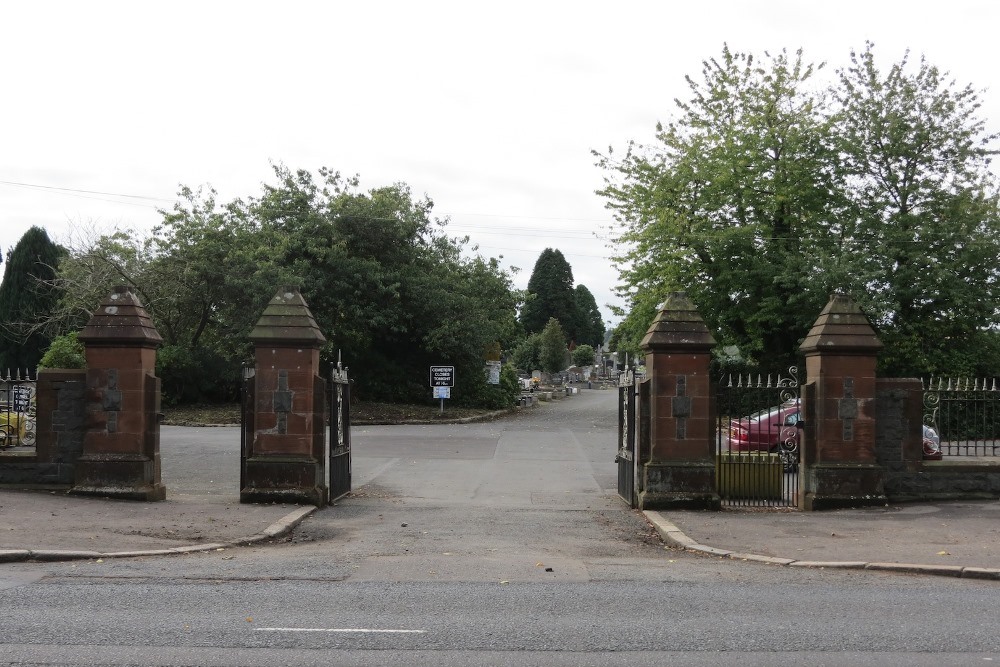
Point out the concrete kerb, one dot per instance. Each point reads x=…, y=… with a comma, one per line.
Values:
x=277, y=529
x=485, y=417
x=672, y=536
x=488, y=416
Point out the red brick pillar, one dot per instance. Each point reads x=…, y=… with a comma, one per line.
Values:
x=681, y=469
x=286, y=458
x=838, y=401
x=121, y=446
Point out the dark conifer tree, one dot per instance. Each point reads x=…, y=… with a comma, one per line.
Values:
x=550, y=295
x=26, y=296
x=590, y=324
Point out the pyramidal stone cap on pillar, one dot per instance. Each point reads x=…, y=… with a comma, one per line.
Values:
x=841, y=327
x=121, y=320
x=287, y=319
x=678, y=324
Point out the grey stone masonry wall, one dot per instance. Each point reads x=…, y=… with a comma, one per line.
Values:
x=60, y=425
x=899, y=450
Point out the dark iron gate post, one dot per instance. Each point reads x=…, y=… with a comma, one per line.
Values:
x=247, y=395
x=626, y=437
x=339, y=462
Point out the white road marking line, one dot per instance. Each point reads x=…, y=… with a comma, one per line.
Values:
x=346, y=630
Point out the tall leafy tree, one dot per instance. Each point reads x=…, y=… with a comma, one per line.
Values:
x=550, y=295
x=27, y=297
x=768, y=191
x=736, y=203
x=583, y=355
x=527, y=353
x=590, y=323
x=552, y=352
x=389, y=288
x=924, y=212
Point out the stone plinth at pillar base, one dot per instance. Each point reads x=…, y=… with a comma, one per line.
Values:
x=678, y=485
x=284, y=479
x=121, y=476
x=835, y=486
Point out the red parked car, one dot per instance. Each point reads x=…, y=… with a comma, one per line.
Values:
x=771, y=430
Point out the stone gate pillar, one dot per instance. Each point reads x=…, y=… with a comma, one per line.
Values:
x=285, y=462
x=121, y=446
x=681, y=470
x=838, y=401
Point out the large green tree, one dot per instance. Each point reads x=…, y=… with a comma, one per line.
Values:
x=27, y=297
x=734, y=203
x=768, y=190
x=526, y=355
x=924, y=218
x=590, y=323
x=552, y=353
x=550, y=295
x=389, y=288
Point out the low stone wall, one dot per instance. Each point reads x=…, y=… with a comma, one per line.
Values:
x=899, y=450
x=954, y=479
x=61, y=415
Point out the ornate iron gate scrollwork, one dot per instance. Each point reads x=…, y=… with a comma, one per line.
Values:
x=964, y=414
x=758, y=441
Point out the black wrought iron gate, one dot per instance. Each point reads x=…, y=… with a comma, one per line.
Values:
x=339, y=460
x=626, y=457
x=758, y=440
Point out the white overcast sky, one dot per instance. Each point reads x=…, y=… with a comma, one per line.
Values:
x=491, y=109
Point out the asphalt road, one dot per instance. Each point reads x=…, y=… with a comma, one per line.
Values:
x=486, y=544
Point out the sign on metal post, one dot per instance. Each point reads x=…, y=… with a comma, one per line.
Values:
x=442, y=380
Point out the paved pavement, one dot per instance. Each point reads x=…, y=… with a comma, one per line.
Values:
x=943, y=538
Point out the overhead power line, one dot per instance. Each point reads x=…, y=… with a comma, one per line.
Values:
x=88, y=192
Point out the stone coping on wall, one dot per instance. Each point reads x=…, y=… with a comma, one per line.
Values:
x=964, y=464
x=33, y=454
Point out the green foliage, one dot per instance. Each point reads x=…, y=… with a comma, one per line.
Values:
x=925, y=211
x=65, y=351
x=550, y=294
x=583, y=355
x=196, y=375
x=765, y=193
x=627, y=336
x=552, y=355
x=388, y=288
x=590, y=323
x=527, y=354
x=472, y=391
x=27, y=296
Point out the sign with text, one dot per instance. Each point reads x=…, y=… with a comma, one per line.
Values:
x=22, y=397
x=442, y=392
x=493, y=372
x=442, y=376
